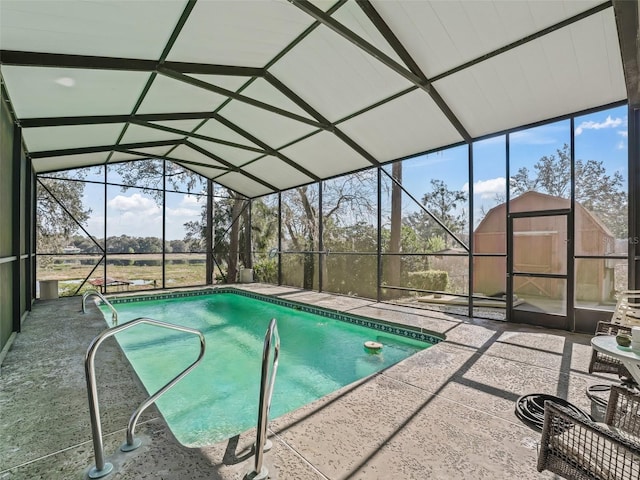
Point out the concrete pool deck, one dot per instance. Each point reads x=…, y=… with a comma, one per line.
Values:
x=445, y=413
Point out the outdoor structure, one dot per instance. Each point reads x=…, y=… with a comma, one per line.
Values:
x=540, y=245
x=284, y=101
x=341, y=154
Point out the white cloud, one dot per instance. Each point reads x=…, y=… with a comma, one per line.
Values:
x=487, y=188
x=623, y=133
x=136, y=203
x=622, y=145
x=591, y=125
x=552, y=134
x=95, y=225
x=138, y=216
x=185, y=213
x=192, y=201
x=533, y=137
x=426, y=160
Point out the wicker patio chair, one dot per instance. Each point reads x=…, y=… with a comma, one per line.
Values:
x=602, y=363
x=576, y=448
x=626, y=312
x=625, y=316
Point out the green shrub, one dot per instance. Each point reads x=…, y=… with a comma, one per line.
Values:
x=266, y=271
x=437, y=280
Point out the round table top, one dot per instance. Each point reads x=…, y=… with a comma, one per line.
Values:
x=607, y=344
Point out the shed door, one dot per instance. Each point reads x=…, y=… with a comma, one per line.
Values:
x=537, y=268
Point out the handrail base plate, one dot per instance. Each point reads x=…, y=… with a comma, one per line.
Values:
x=261, y=475
x=125, y=447
x=106, y=470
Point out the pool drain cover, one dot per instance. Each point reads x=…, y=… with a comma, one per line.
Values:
x=530, y=409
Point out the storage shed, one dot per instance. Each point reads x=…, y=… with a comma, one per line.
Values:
x=540, y=246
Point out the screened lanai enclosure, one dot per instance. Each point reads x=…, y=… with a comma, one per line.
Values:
x=476, y=157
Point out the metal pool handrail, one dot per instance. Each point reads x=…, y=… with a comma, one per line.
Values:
x=88, y=293
x=266, y=391
x=101, y=468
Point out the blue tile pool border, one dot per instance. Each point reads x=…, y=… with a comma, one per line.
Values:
x=380, y=325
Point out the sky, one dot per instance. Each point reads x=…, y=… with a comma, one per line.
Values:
x=600, y=136
x=138, y=214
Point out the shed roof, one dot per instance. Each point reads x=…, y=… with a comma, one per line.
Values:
x=536, y=198
x=261, y=96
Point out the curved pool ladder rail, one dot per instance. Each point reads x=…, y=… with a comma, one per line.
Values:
x=101, y=467
x=88, y=293
x=266, y=392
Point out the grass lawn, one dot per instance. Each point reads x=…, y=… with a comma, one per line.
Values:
x=143, y=272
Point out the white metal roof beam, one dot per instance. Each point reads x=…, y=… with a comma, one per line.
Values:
x=417, y=80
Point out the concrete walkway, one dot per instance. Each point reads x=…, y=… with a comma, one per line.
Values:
x=444, y=413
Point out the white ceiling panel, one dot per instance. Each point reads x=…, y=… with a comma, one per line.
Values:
x=215, y=129
x=569, y=70
x=138, y=133
x=143, y=153
x=228, y=82
x=277, y=173
x=352, y=17
x=265, y=92
x=208, y=172
x=443, y=35
x=51, y=92
x=334, y=76
x=169, y=95
x=51, y=164
x=235, y=156
x=71, y=136
x=243, y=184
x=325, y=155
x=407, y=125
x=184, y=125
x=248, y=33
x=122, y=157
x=184, y=152
x=273, y=129
x=99, y=28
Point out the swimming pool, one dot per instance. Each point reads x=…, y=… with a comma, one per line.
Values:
x=321, y=351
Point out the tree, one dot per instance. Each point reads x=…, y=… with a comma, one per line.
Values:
x=596, y=190
x=230, y=246
x=395, y=261
x=344, y=199
x=300, y=220
x=238, y=205
x=148, y=175
x=264, y=224
x=59, y=211
x=178, y=246
x=445, y=205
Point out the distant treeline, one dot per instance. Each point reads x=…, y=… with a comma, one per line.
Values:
x=127, y=244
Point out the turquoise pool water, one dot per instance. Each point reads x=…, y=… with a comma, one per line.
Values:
x=219, y=398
